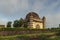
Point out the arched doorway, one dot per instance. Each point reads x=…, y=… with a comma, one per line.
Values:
x=37, y=26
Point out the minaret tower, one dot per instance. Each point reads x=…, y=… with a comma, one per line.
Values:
x=44, y=22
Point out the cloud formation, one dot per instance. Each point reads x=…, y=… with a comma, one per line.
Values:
x=10, y=6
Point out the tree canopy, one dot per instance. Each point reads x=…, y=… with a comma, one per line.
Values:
x=9, y=24
x=16, y=23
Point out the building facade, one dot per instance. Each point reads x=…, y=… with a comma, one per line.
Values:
x=2, y=26
x=34, y=21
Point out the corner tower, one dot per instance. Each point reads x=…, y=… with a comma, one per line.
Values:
x=44, y=21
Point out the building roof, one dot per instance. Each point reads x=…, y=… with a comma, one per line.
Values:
x=35, y=15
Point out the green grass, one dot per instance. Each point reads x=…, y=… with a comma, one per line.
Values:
x=9, y=29
x=40, y=35
x=28, y=36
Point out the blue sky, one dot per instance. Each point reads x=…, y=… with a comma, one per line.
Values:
x=14, y=9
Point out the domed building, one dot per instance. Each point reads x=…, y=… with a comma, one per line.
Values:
x=34, y=21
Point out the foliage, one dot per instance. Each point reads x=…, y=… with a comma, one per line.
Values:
x=21, y=22
x=16, y=23
x=25, y=24
x=9, y=29
x=9, y=24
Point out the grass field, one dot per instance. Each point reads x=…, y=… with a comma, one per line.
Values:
x=39, y=36
x=33, y=36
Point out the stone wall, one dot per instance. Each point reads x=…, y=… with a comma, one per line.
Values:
x=17, y=32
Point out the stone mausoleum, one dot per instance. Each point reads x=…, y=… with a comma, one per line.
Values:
x=34, y=21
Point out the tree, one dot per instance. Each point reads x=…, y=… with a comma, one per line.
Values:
x=25, y=24
x=9, y=24
x=21, y=21
x=59, y=25
x=16, y=23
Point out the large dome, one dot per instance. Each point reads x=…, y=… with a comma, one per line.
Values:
x=35, y=15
